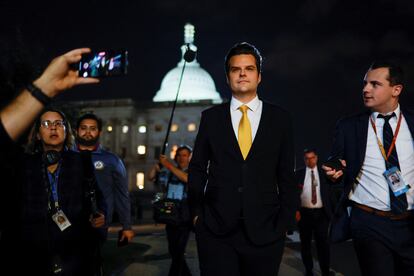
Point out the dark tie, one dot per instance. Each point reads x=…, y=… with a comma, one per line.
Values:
x=314, y=184
x=398, y=204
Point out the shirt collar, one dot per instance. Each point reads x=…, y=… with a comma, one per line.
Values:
x=396, y=111
x=253, y=105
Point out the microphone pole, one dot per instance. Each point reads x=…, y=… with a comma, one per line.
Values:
x=189, y=56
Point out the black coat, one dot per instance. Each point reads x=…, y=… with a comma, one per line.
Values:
x=261, y=189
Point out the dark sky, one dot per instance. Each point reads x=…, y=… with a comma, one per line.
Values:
x=315, y=51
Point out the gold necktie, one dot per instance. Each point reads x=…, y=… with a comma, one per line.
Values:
x=245, y=132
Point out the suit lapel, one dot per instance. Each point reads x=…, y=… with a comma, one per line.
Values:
x=260, y=132
x=229, y=131
x=362, y=135
x=409, y=118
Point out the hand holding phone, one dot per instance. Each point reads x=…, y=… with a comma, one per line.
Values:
x=124, y=241
x=334, y=169
x=105, y=63
x=334, y=164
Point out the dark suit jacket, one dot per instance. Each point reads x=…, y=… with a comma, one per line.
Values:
x=324, y=188
x=40, y=234
x=350, y=144
x=261, y=189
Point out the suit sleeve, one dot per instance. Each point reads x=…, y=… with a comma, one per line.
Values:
x=287, y=186
x=197, y=177
x=122, y=200
x=338, y=148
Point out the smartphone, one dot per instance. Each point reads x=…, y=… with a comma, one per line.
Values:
x=105, y=63
x=123, y=242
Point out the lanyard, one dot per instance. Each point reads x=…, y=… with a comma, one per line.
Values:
x=394, y=139
x=54, y=180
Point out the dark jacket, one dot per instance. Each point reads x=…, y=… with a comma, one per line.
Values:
x=27, y=226
x=261, y=189
x=350, y=142
x=112, y=180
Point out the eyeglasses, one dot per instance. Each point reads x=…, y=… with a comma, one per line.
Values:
x=49, y=124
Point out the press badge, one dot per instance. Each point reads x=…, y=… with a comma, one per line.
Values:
x=61, y=220
x=395, y=181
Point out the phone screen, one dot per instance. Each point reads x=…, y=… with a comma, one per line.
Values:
x=103, y=64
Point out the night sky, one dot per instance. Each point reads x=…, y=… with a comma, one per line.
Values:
x=316, y=52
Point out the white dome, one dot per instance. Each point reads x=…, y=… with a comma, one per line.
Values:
x=196, y=85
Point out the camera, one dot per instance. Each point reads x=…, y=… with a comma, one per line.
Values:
x=105, y=63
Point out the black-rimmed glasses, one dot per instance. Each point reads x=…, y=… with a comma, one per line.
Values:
x=49, y=124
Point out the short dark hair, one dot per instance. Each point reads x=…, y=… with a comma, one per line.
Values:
x=310, y=150
x=395, y=71
x=90, y=116
x=182, y=147
x=243, y=48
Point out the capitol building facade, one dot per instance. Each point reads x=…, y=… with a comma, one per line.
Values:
x=136, y=131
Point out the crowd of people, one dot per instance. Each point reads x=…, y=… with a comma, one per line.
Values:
x=239, y=186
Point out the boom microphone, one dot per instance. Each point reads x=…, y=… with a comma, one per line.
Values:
x=189, y=54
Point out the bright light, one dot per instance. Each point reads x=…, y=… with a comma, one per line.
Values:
x=109, y=129
x=125, y=129
x=141, y=149
x=191, y=127
x=173, y=150
x=140, y=180
x=174, y=127
x=142, y=129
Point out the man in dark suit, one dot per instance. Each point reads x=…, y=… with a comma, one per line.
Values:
x=373, y=146
x=315, y=213
x=242, y=192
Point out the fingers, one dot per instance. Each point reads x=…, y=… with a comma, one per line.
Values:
x=76, y=54
x=80, y=80
x=326, y=169
x=334, y=175
x=98, y=221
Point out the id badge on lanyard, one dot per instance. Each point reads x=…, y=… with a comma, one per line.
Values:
x=59, y=216
x=392, y=175
x=395, y=181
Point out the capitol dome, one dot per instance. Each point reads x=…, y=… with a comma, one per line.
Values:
x=196, y=85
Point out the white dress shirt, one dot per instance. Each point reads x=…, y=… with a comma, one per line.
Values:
x=306, y=195
x=372, y=189
x=254, y=114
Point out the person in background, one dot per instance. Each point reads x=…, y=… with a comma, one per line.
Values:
x=61, y=205
x=315, y=213
x=110, y=172
x=177, y=234
x=111, y=176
